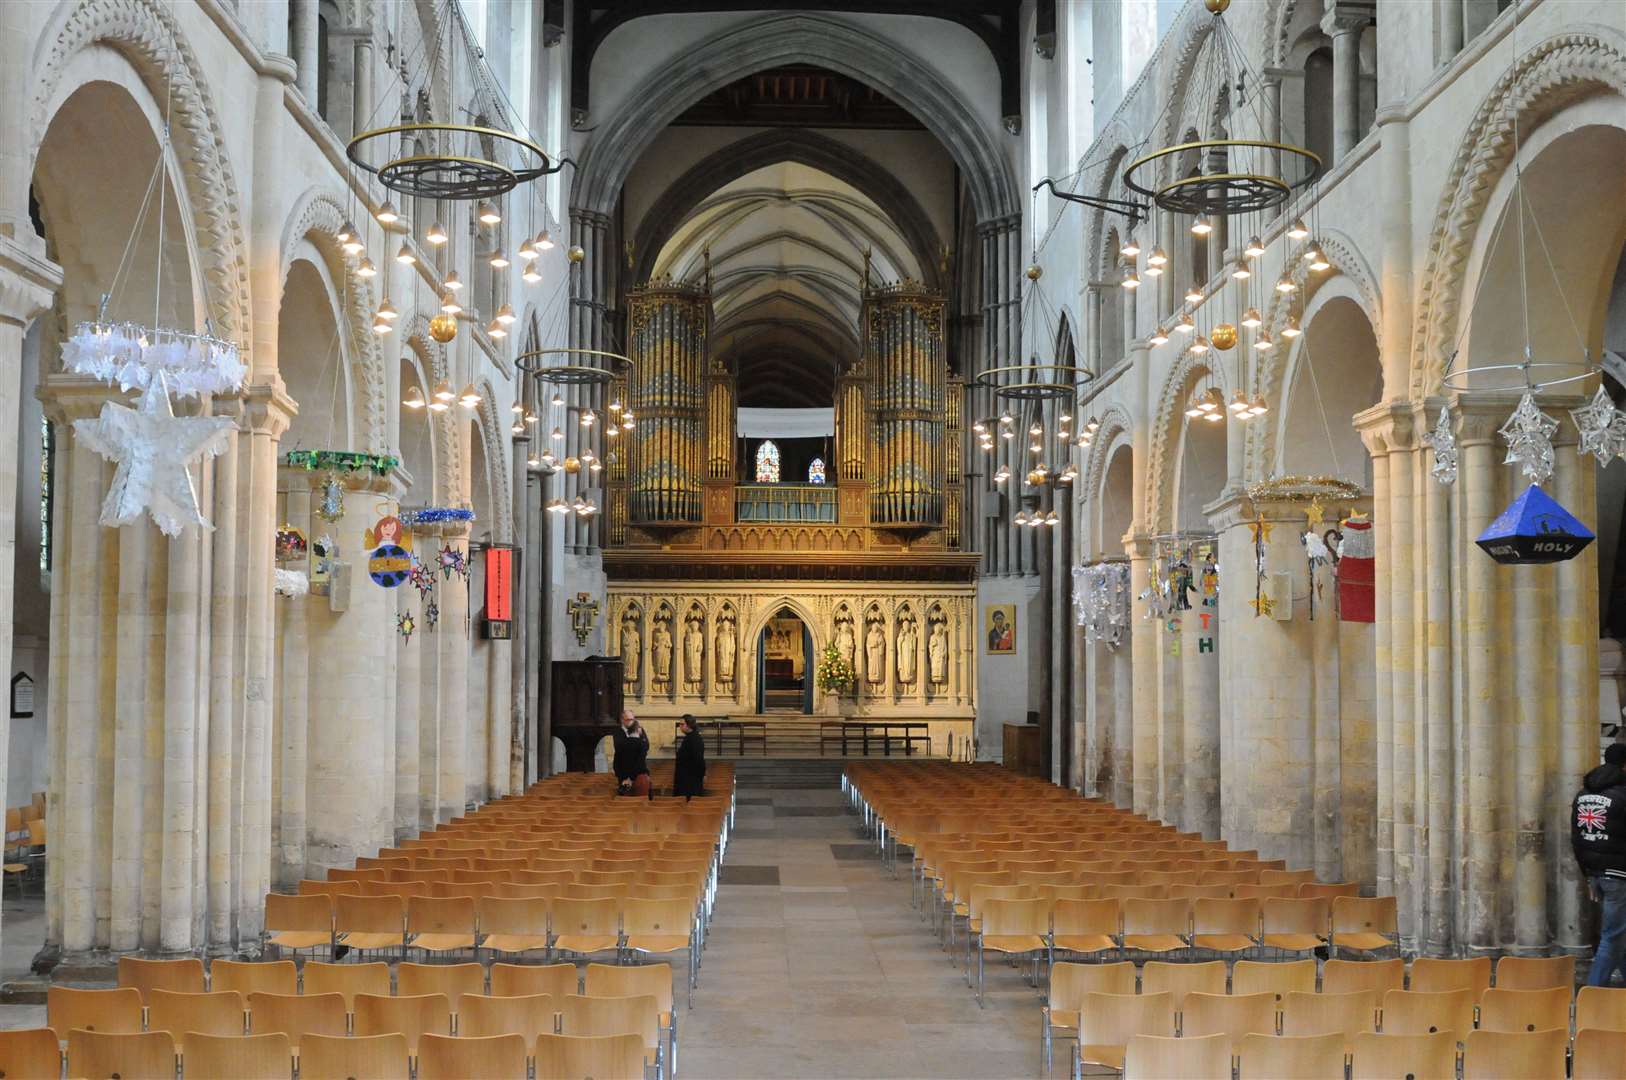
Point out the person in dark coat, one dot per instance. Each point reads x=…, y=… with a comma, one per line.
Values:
x=689, y=778
x=1598, y=834
x=631, y=762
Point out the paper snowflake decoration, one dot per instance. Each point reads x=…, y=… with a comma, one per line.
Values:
x=1602, y=428
x=1529, y=437
x=405, y=624
x=431, y=617
x=1443, y=441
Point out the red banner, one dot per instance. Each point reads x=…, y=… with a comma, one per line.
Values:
x=499, y=597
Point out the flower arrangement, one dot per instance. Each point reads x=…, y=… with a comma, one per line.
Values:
x=834, y=673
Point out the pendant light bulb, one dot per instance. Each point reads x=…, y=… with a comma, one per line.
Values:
x=1239, y=404
x=449, y=304
x=544, y=241
x=443, y=392
x=499, y=259
x=1202, y=226
x=505, y=315
x=414, y=398
x=387, y=214
x=349, y=240
x=556, y=400
x=386, y=310
x=488, y=214
x=557, y=435
x=1131, y=280
x=1159, y=336
x=1317, y=260
x=527, y=250
x=1199, y=345
x=469, y=398
x=366, y=269
x=1157, y=257
x=1258, y=408
x=1250, y=318
x=1129, y=249
x=1255, y=248
x=1263, y=343
x=1186, y=324
x=436, y=234
x=531, y=274
x=1194, y=295
x=405, y=256
x=1298, y=231
x=1286, y=285
x=453, y=282
x=1241, y=272
x=1291, y=330
x=496, y=330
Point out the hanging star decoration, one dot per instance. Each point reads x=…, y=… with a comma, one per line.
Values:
x=153, y=449
x=1529, y=437
x=404, y=625
x=1443, y=441
x=453, y=562
x=431, y=617
x=422, y=577
x=1263, y=605
x=1315, y=515
x=1602, y=428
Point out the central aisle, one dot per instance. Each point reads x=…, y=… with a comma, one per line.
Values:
x=817, y=966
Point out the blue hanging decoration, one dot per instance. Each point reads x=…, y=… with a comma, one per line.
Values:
x=1534, y=529
x=431, y=515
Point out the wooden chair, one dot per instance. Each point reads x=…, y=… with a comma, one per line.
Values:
x=1294, y=925
x=610, y=980
x=1232, y=1015
x=1363, y=924
x=1285, y=891
x=1108, y=1021
x=1424, y=1012
x=1291, y=1057
x=1224, y=926
x=248, y=977
x=370, y=922
x=345, y=873
x=1516, y=1055
x=30, y=1054
x=413, y=1015
x=1084, y=927
x=1158, y=1057
x=183, y=1015
x=1417, y=1056
x=589, y=1057
x=1345, y=1015
x=309, y=887
x=116, y=1012
x=454, y=980
x=514, y=925
x=440, y=924
x=1278, y=978
x=1525, y=1010
x=586, y=926
x=529, y=1015
x=241, y=1057
x=347, y=980
x=1310, y=890
x=1178, y=980
x=297, y=1016
x=1156, y=926
x=1068, y=985
x=368, y=1057
x=491, y=1057
x=1015, y=929
x=518, y=980
x=1598, y=1053
x=1535, y=972
x=138, y=1055
x=640, y=1013
x=1286, y=877
x=182, y=976
x=1432, y=975
x=1600, y=1008
x=1347, y=976
x=299, y=922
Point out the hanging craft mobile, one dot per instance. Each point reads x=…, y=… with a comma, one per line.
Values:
x=291, y=543
x=345, y=461
x=1357, y=570
x=130, y=356
x=431, y=617
x=452, y=561
x=330, y=499
x=1261, y=533
x=290, y=582
x=391, y=560
x=1101, y=596
x=405, y=625
x=325, y=553
x=1529, y=437
x=153, y=449
x=1443, y=441
x=422, y=577
x=1534, y=529
x=1602, y=428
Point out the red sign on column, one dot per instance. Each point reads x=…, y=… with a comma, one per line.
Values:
x=499, y=584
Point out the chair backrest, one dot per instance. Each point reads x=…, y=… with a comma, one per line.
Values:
x=1598, y=1054
x=334, y=1057
x=1431, y=974
x=1348, y=976
x=1525, y=1010
x=1328, y=1014
x=30, y=1054
x=517, y=980
x=1171, y=915
x=1281, y=915
x=1114, y=1019
x=589, y=1057
x=241, y=1057
x=1601, y=1008
x=413, y=1015
x=1516, y=1055
x=113, y=1011
x=1231, y=1015
x=311, y=887
x=580, y=1015
x=1535, y=972
x=184, y=976
x=347, y=873
x=666, y=917
x=309, y=911
x=369, y=914
x=1086, y=917
x=1420, y=1056
x=440, y=915
x=182, y=1015
x=1266, y=892
x=248, y=976
x=1158, y=1057
x=1423, y=1012
x=1019, y=918
x=616, y=980
x=1070, y=982
x=1286, y=877
x=513, y=915
x=1362, y=914
x=586, y=916
x=453, y=980
x=1225, y=916
x=1278, y=978
x=297, y=1015
x=347, y=980
x=491, y=1057
x=528, y=1014
x=1181, y=979
x=1311, y=889
x=140, y=1055
x=1290, y=1057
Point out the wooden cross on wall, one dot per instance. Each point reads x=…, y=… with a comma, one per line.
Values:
x=583, y=610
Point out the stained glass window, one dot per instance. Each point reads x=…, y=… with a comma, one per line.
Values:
x=767, y=463
x=815, y=471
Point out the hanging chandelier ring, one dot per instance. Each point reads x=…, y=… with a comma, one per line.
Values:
x=1035, y=387
x=1222, y=193
x=449, y=175
x=1458, y=380
x=534, y=362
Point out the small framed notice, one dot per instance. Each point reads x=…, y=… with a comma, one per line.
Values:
x=22, y=696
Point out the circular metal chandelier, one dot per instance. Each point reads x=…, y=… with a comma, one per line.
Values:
x=462, y=162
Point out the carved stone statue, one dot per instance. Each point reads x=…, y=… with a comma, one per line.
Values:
x=660, y=648
x=727, y=645
x=907, y=648
x=632, y=648
x=694, y=647
x=846, y=645
x=937, y=652
x=875, y=654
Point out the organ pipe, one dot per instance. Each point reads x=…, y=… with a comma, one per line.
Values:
x=909, y=377
x=670, y=325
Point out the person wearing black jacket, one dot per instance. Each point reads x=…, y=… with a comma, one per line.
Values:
x=1598, y=834
x=631, y=762
x=689, y=777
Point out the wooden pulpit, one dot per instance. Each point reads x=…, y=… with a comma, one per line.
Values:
x=586, y=706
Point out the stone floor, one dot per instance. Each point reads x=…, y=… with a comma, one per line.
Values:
x=828, y=971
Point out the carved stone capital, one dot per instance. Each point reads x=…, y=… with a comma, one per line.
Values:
x=1348, y=16
x=267, y=408
x=1388, y=427
x=28, y=281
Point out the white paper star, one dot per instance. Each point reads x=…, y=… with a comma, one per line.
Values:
x=1443, y=441
x=153, y=447
x=1529, y=436
x=1602, y=428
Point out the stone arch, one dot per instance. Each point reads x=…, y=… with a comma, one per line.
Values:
x=1553, y=74
x=499, y=474
x=803, y=147
x=146, y=34
x=1165, y=441
x=771, y=607
x=317, y=218
x=1181, y=113
x=1098, y=227
x=764, y=42
x=1115, y=425
x=431, y=356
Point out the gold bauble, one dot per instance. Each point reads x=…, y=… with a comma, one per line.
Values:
x=572, y=466
x=1216, y=7
x=575, y=254
x=1224, y=337
x=443, y=328
x=1035, y=272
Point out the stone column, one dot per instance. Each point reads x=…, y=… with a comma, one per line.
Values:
x=452, y=644
x=1343, y=22
x=293, y=694
x=1137, y=755
x=1270, y=81
x=361, y=87
x=409, y=712
x=304, y=31
x=1171, y=764
x=1200, y=678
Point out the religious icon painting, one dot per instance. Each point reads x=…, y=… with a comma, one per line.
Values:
x=291, y=544
x=405, y=624
x=1000, y=620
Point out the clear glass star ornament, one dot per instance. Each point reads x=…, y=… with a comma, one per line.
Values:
x=1443, y=441
x=1529, y=437
x=1602, y=428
